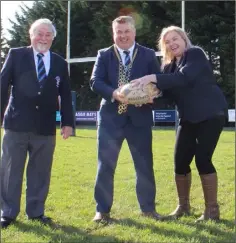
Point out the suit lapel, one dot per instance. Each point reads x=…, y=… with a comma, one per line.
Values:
x=181, y=63
x=31, y=64
x=171, y=67
x=135, y=53
x=51, y=68
x=49, y=81
x=115, y=64
x=135, y=57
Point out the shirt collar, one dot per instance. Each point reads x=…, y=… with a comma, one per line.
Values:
x=46, y=54
x=131, y=49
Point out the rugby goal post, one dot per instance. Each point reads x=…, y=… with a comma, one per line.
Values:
x=92, y=59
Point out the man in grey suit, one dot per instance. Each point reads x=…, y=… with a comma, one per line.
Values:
x=37, y=77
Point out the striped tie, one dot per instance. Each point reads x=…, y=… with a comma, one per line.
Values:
x=41, y=68
x=127, y=58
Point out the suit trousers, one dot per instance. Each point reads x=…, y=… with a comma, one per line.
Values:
x=139, y=140
x=15, y=147
x=199, y=140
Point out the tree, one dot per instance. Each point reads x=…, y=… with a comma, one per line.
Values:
x=210, y=24
x=4, y=48
x=215, y=32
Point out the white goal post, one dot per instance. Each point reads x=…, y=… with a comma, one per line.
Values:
x=93, y=59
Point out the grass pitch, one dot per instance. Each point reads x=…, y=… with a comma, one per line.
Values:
x=71, y=205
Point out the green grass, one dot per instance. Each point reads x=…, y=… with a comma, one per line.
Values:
x=71, y=205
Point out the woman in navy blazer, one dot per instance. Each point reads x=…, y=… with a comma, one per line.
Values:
x=189, y=81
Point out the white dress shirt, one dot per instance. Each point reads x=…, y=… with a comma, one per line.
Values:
x=46, y=60
x=123, y=55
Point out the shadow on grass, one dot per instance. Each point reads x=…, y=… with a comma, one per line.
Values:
x=224, y=229
x=226, y=236
x=64, y=233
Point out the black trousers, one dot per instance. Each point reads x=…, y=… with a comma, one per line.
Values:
x=199, y=140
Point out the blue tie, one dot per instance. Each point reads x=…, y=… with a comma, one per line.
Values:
x=127, y=58
x=41, y=68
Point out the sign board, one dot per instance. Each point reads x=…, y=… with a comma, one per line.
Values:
x=86, y=116
x=231, y=113
x=81, y=116
x=164, y=115
x=158, y=115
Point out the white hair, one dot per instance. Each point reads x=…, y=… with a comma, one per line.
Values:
x=38, y=22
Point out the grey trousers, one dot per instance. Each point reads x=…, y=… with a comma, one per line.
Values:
x=15, y=148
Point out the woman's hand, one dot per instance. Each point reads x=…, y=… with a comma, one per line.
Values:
x=140, y=82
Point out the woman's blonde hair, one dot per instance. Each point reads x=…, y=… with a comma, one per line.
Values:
x=168, y=56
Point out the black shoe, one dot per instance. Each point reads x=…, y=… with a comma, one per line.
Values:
x=42, y=219
x=5, y=222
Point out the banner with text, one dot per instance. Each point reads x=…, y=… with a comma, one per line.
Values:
x=158, y=116
x=164, y=115
x=81, y=116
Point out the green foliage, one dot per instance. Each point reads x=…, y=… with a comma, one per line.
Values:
x=210, y=25
x=4, y=48
x=2, y=38
x=71, y=198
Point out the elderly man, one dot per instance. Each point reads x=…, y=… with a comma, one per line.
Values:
x=115, y=66
x=37, y=77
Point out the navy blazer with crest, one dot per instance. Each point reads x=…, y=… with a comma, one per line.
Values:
x=104, y=80
x=31, y=108
x=192, y=86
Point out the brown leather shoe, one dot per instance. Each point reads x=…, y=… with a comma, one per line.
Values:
x=101, y=217
x=153, y=215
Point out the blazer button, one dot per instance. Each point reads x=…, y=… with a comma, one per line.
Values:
x=39, y=93
x=37, y=107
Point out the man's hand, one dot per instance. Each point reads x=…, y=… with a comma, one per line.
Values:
x=66, y=131
x=119, y=97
